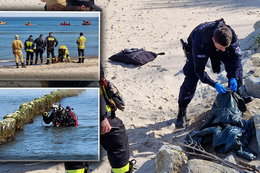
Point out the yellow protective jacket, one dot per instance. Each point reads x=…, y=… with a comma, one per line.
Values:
x=81, y=41
x=66, y=54
x=17, y=45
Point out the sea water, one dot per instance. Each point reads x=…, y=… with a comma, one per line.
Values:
x=38, y=141
x=66, y=35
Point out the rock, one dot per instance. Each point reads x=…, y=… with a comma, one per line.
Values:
x=231, y=159
x=201, y=166
x=252, y=85
x=256, y=59
x=257, y=25
x=257, y=129
x=253, y=108
x=250, y=41
x=256, y=72
x=170, y=159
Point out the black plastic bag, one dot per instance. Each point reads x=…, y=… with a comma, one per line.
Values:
x=135, y=56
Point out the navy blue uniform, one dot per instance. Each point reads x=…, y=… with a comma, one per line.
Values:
x=201, y=49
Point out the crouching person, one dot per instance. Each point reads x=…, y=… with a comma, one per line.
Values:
x=60, y=116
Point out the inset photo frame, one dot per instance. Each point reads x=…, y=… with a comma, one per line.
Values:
x=49, y=124
x=49, y=45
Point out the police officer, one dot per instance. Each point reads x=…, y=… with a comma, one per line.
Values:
x=29, y=47
x=217, y=41
x=40, y=48
x=51, y=42
x=81, y=41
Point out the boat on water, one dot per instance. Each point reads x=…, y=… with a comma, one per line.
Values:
x=28, y=23
x=86, y=22
x=64, y=23
x=2, y=23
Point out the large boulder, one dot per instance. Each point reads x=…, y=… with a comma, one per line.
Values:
x=257, y=25
x=253, y=108
x=202, y=166
x=256, y=59
x=250, y=42
x=170, y=159
x=252, y=85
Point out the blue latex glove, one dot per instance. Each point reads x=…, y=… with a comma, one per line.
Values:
x=220, y=88
x=233, y=84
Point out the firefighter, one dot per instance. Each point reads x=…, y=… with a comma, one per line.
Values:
x=63, y=54
x=50, y=42
x=113, y=133
x=17, y=46
x=29, y=48
x=81, y=41
x=40, y=48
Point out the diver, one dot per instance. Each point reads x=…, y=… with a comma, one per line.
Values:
x=60, y=116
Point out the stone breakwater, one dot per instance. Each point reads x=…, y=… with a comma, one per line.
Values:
x=27, y=111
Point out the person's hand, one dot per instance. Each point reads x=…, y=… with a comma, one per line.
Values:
x=105, y=126
x=220, y=88
x=233, y=84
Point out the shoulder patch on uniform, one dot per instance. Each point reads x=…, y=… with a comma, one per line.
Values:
x=201, y=56
x=238, y=51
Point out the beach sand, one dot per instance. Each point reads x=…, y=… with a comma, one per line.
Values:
x=151, y=91
x=89, y=70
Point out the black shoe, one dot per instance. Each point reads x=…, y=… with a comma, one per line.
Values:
x=181, y=118
x=48, y=62
x=82, y=60
x=131, y=166
x=248, y=99
x=79, y=61
x=86, y=168
x=17, y=65
x=23, y=65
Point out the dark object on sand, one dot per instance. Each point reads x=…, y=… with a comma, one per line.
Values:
x=135, y=56
x=225, y=129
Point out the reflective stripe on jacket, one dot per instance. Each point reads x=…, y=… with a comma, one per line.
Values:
x=29, y=45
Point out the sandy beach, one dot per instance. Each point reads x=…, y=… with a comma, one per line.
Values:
x=89, y=70
x=151, y=91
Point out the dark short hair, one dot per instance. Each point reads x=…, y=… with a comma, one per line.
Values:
x=80, y=2
x=50, y=33
x=223, y=35
x=81, y=33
